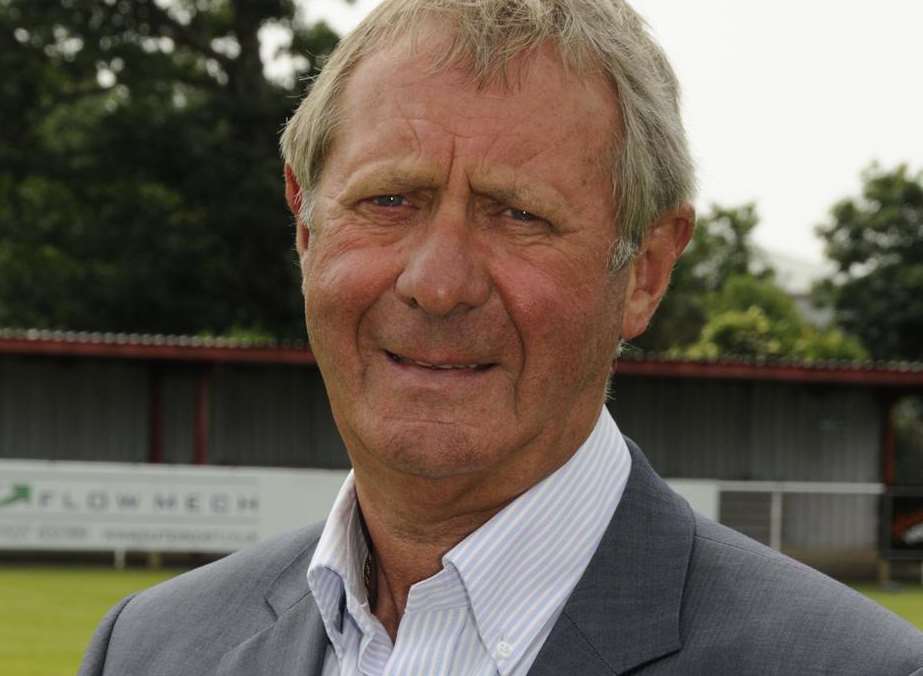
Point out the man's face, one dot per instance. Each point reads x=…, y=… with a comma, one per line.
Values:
x=456, y=285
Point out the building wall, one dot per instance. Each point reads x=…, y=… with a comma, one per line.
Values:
x=752, y=430
x=278, y=416
x=271, y=415
x=178, y=393
x=73, y=409
x=97, y=409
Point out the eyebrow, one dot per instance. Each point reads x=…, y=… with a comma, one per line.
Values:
x=498, y=184
x=386, y=176
x=541, y=197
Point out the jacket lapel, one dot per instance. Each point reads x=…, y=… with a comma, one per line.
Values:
x=623, y=613
x=296, y=643
x=625, y=610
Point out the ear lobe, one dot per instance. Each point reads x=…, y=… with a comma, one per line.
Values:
x=649, y=274
x=293, y=197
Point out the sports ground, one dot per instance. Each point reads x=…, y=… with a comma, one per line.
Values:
x=47, y=615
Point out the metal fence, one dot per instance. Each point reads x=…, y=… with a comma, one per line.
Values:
x=831, y=525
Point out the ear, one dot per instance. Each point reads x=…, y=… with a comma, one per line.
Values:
x=293, y=197
x=649, y=274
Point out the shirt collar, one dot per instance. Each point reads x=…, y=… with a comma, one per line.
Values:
x=520, y=566
x=517, y=569
x=335, y=574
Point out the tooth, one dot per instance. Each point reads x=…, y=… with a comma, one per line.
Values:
x=427, y=365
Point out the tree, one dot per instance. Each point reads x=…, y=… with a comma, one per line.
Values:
x=724, y=302
x=140, y=184
x=720, y=248
x=754, y=318
x=876, y=241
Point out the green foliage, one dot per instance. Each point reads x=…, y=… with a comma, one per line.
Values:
x=140, y=183
x=748, y=317
x=742, y=291
x=751, y=334
x=826, y=345
x=736, y=332
x=754, y=318
x=876, y=240
x=720, y=248
x=724, y=302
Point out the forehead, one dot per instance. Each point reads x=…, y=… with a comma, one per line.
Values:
x=538, y=112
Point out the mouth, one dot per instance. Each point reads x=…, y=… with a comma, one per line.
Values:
x=474, y=367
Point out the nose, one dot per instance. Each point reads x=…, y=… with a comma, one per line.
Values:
x=444, y=271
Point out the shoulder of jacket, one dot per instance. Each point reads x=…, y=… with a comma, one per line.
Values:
x=204, y=612
x=256, y=565
x=768, y=603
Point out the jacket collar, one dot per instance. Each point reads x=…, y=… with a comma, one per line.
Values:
x=625, y=611
x=295, y=643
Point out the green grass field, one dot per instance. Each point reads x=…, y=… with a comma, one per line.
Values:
x=907, y=602
x=47, y=615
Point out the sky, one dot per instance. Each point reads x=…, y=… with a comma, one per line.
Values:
x=785, y=102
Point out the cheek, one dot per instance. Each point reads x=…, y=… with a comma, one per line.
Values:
x=340, y=284
x=568, y=323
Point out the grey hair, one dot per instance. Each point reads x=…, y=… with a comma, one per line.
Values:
x=652, y=168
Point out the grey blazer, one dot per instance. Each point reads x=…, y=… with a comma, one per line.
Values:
x=667, y=592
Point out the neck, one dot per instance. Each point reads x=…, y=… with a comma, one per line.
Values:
x=414, y=520
x=407, y=549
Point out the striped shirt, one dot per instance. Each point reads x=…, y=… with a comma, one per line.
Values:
x=501, y=589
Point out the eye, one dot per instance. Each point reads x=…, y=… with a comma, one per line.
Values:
x=522, y=215
x=389, y=201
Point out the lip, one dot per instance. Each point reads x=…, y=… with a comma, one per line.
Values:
x=439, y=365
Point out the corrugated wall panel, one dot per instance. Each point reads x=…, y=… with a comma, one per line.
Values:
x=812, y=525
x=830, y=521
x=279, y=416
x=690, y=429
x=759, y=431
x=747, y=513
x=73, y=409
x=272, y=416
x=814, y=433
x=178, y=388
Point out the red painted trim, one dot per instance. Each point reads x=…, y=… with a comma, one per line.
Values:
x=120, y=347
x=155, y=411
x=201, y=418
x=888, y=441
x=795, y=373
x=262, y=355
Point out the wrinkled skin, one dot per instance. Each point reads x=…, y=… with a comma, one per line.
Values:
x=456, y=285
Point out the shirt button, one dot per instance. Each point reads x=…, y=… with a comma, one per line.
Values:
x=503, y=650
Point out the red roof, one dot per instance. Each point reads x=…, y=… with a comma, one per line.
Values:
x=151, y=347
x=227, y=350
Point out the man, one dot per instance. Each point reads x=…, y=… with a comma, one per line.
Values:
x=490, y=196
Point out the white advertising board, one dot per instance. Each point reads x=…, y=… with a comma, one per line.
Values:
x=87, y=506
x=704, y=496
x=90, y=506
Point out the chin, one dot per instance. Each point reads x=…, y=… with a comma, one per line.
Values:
x=436, y=450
